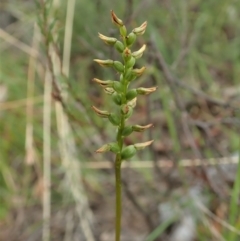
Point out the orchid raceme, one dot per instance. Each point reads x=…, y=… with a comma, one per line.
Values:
x=125, y=100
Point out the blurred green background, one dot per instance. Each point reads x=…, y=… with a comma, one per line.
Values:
x=195, y=116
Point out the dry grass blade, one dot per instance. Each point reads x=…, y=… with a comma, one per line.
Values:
x=20, y=103
x=15, y=42
x=30, y=153
x=217, y=219
x=67, y=144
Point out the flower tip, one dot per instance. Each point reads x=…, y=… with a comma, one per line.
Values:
x=107, y=40
x=104, y=63
x=138, y=54
x=144, y=25
x=140, y=30
x=104, y=148
x=148, y=143
x=116, y=20
x=140, y=146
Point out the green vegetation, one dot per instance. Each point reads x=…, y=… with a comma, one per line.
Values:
x=192, y=57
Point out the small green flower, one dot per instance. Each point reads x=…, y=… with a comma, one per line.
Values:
x=139, y=128
x=107, y=40
x=104, y=63
x=116, y=20
x=138, y=54
x=146, y=91
x=140, y=30
x=101, y=113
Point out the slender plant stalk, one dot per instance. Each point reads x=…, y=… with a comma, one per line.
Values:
x=118, y=208
x=118, y=182
x=125, y=100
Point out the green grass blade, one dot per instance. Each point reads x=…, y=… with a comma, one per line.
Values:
x=160, y=229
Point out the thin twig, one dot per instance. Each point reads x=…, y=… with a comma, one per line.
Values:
x=215, y=233
x=20, y=103
x=30, y=105
x=217, y=219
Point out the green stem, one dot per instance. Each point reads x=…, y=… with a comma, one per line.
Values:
x=118, y=207
x=118, y=181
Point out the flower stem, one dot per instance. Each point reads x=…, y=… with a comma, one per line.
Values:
x=118, y=181
x=118, y=197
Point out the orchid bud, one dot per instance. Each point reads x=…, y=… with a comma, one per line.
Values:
x=104, y=83
x=140, y=146
x=116, y=20
x=123, y=31
x=127, y=54
x=125, y=109
x=104, y=148
x=118, y=66
x=138, y=54
x=132, y=103
x=130, y=63
x=139, y=128
x=101, y=113
x=130, y=39
x=113, y=147
x=104, y=63
x=109, y=90
x=121, y=77
x=127, y=130
x=128, y=74
x=114, y=119
x=146, y=91
x=107, y=40
x=117, y=98
x=117, y=86
x=140, y=30
x=130, y=112
x=128, y=152
x=119, y=46
x=131, y=94
x=138, y=72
